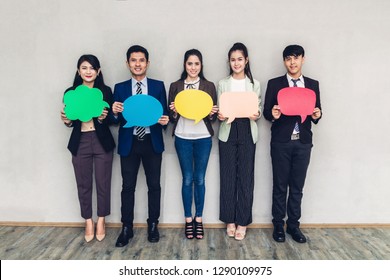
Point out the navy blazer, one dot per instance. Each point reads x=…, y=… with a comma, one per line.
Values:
x=102, y=130
x=283, y=127
x=125, y=139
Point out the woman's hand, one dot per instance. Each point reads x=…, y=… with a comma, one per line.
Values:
x=103, y=115
x=163, y=120
x=220, y=116
x=117, y=107
x=255, y=117
x=66, y=121
x=214, y=110
x=173, y=108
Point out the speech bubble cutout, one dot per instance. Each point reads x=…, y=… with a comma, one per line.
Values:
x=238, y=104
x=141, y=110
x=297, y=101
x=193, y=104
x=84, y=103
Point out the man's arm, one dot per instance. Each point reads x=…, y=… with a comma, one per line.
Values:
x=317, y=113
x=117, y=107
x=164, y=119
x=269, y=101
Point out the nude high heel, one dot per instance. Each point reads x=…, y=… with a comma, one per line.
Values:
x=230, y=230
x=240, y=233
x=89, y=237
x=102, y=230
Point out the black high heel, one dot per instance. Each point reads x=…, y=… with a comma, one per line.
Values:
x=198, y=231
x=189, y=230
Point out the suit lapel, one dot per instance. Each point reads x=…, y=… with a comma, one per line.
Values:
x=285, y=81
x=307, y=83
x=130, y=88
x=180, y=86
x=150, y=86
x=201, y=85
x=153, y=89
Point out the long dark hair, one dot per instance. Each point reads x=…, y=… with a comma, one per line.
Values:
x=186, y=56
x=241, y=47
x=94, y=61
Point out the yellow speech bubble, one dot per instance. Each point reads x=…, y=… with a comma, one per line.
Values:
x=193, y=104
x=238, y=105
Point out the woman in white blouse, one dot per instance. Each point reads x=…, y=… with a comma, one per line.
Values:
x=192, y=141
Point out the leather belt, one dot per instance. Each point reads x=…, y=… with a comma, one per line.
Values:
x=146, y=136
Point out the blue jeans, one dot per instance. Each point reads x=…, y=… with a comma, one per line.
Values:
x=193, y=158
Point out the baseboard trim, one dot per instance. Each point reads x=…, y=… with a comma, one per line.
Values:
x=207, y=225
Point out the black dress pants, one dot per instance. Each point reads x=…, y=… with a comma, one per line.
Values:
x=142, y=151
x=237, y=161
x=289, y=166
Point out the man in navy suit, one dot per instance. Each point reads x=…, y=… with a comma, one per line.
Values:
x=291, y=144
x=136, y=144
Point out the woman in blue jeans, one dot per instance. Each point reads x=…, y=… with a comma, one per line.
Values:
x=192, y=141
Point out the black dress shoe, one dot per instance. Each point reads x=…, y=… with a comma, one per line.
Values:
x=296, y=235
x=278, y=234
x=126, y=234
x=153, y=234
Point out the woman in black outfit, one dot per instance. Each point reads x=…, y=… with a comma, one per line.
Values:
x=91, y=144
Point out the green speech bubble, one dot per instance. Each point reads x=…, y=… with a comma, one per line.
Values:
x=84, y=103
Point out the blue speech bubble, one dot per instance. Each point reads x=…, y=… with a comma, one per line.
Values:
x=141, y=110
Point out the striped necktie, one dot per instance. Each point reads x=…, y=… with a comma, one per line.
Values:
x=139, y=130
x=295, y=82
x=296, y=127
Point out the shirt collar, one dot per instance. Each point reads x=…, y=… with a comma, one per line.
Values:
x=289, y=77
x=143, y=81
x=192, y=82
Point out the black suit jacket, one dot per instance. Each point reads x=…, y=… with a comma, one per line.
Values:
x=205, y=86
x=102, y=130
x=283, y=127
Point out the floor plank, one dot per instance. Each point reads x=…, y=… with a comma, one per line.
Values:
x=67, y=243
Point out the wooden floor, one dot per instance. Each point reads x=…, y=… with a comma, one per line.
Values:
x=37, y=243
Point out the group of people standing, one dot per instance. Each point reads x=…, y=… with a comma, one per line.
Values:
x=91, y=143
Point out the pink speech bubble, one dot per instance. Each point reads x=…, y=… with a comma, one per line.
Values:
x=296, y=101
x=238, y=105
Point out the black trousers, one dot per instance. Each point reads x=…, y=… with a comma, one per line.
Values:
x=142, y=151
x=237, y=160
x=289, y=166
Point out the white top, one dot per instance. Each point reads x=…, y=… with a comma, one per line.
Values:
x=186, y=128
x=237, y=85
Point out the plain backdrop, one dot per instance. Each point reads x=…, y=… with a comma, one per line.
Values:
x=347, y=47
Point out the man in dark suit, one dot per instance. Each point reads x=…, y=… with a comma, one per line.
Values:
x=136, y=144
x=291, y=143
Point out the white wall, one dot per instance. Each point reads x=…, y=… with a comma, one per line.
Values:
x=347, y=49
